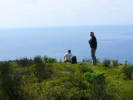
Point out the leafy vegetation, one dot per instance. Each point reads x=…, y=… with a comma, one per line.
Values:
x=47, y=79
x=115, y=63
x=24, y=62
x=38, y=60
x=107, y=62
x=128, y=71
x=49, y=60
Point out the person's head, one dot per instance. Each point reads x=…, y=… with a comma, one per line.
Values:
x=69, y=51
x=92, y=34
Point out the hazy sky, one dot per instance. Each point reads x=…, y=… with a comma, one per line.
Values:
x=43, y=13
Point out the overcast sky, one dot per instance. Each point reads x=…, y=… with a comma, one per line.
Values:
x=45, y=13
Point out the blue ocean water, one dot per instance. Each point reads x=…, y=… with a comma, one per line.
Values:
x=114, y=42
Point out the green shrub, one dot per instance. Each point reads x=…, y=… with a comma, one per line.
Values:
x=24, y=62
x=126, y=63
x=97, y=85
x=67, y=87
x=61, y=81
x=49, y=60
x=98, y=61
x=38, y=59
x=95, y=78
x=107, y=62
x=84, y=68
x=10, y=83
x=40, y=71
x=55, y=90
x=115, y=63
x=90, y=60
x=87, y=60
x=128, y=71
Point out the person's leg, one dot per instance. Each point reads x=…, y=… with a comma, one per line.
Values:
x=67, y=61
x=93, y=51
x=95, y=59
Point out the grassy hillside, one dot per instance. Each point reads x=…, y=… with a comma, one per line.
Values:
x=48, y=79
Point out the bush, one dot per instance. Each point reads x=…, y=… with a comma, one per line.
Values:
x=40, y=71
x=87, y=60
x=9, y=83
x=126, y=63
x=97, y=85
x=49, y=60
x=98, y=61
x=90, y=60
x=24, y=62
x=38, y=59
x=128, y=71
x=84, y=68
x=62, y=81
x=107, y=62
x=115, y=63
x=94, y=78
x=69, y=87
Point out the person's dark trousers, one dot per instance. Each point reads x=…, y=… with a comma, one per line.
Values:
x=93, y=52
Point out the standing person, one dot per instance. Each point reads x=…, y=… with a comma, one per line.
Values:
x=93, y=45
x=68, y=56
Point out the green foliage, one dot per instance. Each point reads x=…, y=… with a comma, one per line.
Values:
x=115, y=63
x=87, y=60
x=107, y=62
x=128, y=71
x=24, y=62
x=38, y=60
x=49, y=60
x=63, y=81
x=67, y=87
x=126, y=62
x=90, y=60
x=98, y=61
x=97, y=85
x=95, y=78
x=84, y=68
x=9, y=83
x=40, y=71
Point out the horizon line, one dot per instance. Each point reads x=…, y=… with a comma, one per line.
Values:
x=36, y=27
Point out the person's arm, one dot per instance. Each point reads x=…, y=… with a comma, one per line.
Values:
x=96, y=43
x=90, y=41
x=64, y=57
x=71, y=56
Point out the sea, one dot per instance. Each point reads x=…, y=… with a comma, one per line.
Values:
x=114, y=42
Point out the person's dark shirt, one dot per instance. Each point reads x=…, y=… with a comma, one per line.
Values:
x=93, y=42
